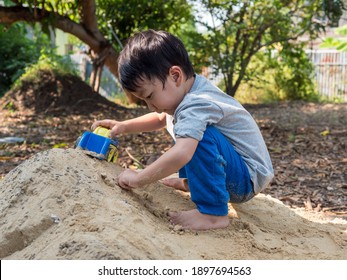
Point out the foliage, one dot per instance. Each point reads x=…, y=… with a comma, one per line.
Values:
x=117, y=19
x=103, y=25
x=124, y=18
x=339, y=44
x=333, y=10
x=279, y=74
x=59, y=65
x=292, y=73
x=195, y=44
x=239, y=30
x=16, y=53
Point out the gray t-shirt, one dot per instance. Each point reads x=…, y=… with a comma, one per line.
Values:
x=206, y=105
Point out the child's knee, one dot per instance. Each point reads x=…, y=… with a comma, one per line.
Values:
x=238, y=199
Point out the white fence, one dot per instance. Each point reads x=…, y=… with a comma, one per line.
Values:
x=330, y=73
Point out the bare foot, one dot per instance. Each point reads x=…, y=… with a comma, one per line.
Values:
x=176, y=183
x=193, y=219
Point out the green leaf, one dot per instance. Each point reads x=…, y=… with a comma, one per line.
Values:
x=342, y=30
x=342, y=46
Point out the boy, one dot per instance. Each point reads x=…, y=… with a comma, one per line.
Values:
x=219, y=151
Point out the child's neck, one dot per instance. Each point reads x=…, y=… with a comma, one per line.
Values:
x=188, y=84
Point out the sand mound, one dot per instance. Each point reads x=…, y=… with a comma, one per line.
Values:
x=62, y=204
x=53, y=94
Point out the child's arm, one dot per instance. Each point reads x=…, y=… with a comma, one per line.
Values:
x=148, y=122
x=170, y=162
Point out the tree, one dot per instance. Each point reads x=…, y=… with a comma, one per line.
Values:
x=240, y=29
x=102, y=25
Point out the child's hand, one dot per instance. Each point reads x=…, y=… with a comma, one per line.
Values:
x=128, y=180
x=115, y=126
x=104, y=123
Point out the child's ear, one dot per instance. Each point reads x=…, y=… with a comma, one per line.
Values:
x=176, y=74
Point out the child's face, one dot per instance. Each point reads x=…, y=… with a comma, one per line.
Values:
x=161, y=99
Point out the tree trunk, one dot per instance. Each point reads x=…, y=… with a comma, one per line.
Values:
x=95, y=77
x=230, y=88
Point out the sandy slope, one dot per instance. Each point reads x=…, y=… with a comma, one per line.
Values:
x=62, y=204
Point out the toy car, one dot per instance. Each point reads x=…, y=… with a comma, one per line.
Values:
x=98, y=144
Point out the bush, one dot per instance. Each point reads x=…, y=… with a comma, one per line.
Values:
x=293, y=76
x=282, y=74
x=48, y=61
x=16, y=53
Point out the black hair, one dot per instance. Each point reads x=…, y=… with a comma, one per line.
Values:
x=150, y=54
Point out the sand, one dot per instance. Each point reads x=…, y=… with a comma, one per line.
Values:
x=63, y=204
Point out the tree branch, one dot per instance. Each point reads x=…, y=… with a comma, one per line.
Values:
x=9, y=15
x=89, y=20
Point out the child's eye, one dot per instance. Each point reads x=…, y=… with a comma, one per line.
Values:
x=149, y=96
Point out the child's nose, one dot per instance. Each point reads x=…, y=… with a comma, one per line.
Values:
x=151, y=107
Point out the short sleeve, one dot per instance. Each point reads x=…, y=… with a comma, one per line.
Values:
x=192, y=118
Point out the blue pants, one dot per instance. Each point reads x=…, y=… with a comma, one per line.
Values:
x=216, y=175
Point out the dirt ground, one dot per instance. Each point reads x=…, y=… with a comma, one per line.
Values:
x=57, y=203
